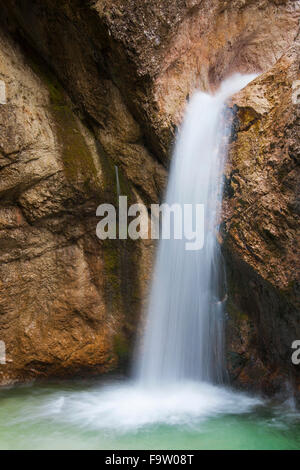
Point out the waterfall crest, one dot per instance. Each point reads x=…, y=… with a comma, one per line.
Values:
x=183, y=338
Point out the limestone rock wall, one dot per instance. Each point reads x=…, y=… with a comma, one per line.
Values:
x=94, y=84
x=68, y=302
x=261, y=227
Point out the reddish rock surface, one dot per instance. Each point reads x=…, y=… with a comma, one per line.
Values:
x=261, y=226
x=95, y=84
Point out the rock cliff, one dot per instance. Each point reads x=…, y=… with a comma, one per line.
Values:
x=69, y=302
x=261, y=227
x=90, y=85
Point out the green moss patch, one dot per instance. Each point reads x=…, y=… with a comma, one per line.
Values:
x=121, y=349
x=77, y=158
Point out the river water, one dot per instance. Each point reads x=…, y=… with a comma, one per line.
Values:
x=119, y=415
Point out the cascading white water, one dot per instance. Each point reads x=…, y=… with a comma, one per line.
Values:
x=182, y=348
x=183, y=339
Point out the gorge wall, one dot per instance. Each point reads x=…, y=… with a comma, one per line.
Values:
x=91, y=85
x=261, y=227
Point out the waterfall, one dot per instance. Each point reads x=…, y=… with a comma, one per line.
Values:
x=183, y=338
x=180, y=364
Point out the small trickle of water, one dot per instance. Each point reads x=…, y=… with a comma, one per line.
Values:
x=117, y=181
x=184, y=333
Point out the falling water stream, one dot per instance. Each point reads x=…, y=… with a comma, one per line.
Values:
x=177, y=398
x=184, y=333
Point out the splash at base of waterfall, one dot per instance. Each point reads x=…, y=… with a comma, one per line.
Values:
x=91, y=415
x=131, y=407
x=127, y=406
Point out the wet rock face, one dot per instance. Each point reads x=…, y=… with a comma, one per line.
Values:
x=155, y=52
x=180, y=45
x=104, y=83
x=52, y=313
x=261, y=227
x=68, y=302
